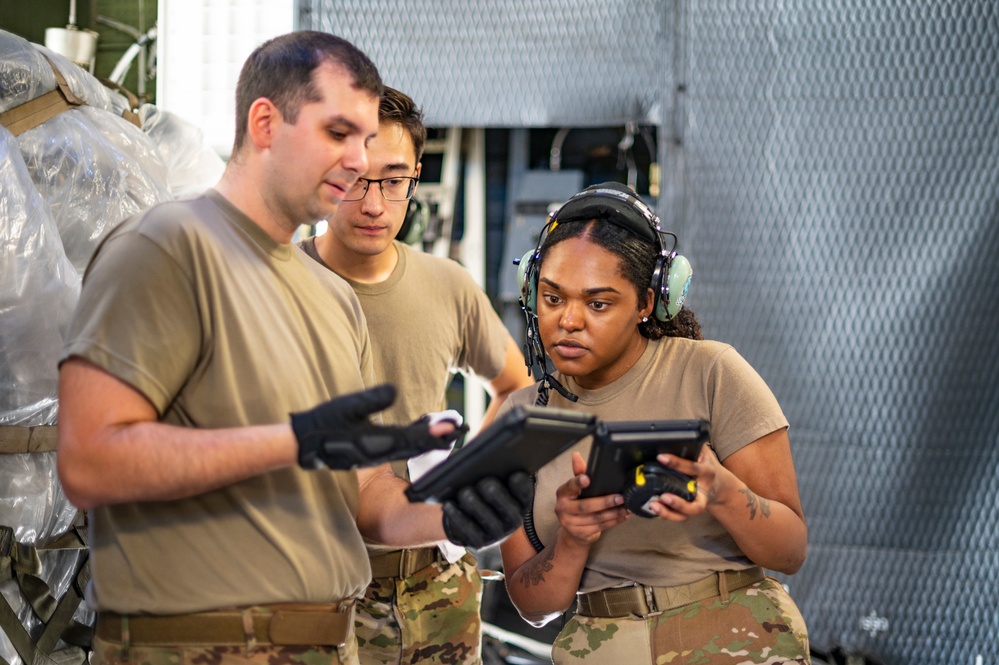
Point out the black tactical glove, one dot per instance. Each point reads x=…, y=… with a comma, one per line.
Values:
x=488, y=511
x=337, y=434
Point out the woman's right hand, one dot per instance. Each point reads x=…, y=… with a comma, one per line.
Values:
x=583, y=520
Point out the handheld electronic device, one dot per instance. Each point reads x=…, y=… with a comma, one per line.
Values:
x=524, y=439
x=623, y=460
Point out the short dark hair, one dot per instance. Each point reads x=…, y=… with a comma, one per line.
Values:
x=637, y=262
x=281, y=69
x=399, y=107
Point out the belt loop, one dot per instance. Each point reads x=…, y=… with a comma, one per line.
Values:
x=126, y=638
x=248, y=632
x=723, y=587
x=404, y=560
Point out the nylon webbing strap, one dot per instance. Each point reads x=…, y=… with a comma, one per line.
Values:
x=132, y=118
x=17, y=439
x=21, y=563
x=133, y=102
x=62, y=85
x=33, y=113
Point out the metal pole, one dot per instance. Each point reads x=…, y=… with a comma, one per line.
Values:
x=473, y=251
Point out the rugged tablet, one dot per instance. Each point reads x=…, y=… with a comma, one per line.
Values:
x=623, y=450
x=523, y=439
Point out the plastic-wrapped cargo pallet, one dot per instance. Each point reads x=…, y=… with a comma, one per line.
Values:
x=72, y=167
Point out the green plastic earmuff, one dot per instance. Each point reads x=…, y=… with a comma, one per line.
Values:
x=670, y=299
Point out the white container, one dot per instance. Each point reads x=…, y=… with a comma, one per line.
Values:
x=80, y=46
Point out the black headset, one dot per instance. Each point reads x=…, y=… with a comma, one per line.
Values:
x=414, y=224
x=615, y=203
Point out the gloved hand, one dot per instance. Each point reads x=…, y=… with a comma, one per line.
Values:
x=337, y=434
x=488, y=511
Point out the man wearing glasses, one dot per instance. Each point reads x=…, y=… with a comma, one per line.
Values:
x=426, y=318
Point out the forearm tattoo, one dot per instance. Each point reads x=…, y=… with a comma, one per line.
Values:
x=535, y=569
x=755, y=503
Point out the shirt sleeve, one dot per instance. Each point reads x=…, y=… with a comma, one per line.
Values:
x=742, y=406
x=138, y=317
x=483, y=334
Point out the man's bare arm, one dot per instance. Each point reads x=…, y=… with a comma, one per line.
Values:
x=113, y=450
x=513, y=377
x=387, y=516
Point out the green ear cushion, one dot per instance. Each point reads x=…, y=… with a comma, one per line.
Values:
x=678, y=282
x=528, y=286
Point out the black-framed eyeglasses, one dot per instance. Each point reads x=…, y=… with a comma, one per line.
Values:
x=397, y=188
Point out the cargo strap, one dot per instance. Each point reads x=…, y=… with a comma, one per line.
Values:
x=405, y=563
x=643, y=601
x=300, y=624
x=21, y=562
x=17, y=439
x=133, y=102
x=34, y=112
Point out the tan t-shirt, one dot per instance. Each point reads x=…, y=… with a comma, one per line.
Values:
x=428, y=320
x=674, y=379
x=218, y=326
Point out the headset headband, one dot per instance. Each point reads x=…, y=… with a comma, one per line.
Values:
x=612, y=202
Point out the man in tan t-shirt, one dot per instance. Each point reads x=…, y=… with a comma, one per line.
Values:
x=427, y=318
x=217, y=531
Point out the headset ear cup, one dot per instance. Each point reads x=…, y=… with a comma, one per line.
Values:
x=413, y=224
x=678, y=282
x=527, y=281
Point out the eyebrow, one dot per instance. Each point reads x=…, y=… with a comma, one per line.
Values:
x=339, y=120
x=398, y=166
x=595, y=290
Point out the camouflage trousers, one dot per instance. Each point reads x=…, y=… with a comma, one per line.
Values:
x=113, y=653
x=431, y=616
x=759, y=624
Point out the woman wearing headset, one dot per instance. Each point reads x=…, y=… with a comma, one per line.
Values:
x=687, y=587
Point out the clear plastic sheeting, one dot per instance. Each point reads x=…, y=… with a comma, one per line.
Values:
x=24, y=74
x=40, y=287
x=37, y=508
x=93, y=167
x=64, y=185
x=94, y=170
x=34, y=503
x=80, y=81
x=191, y=165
